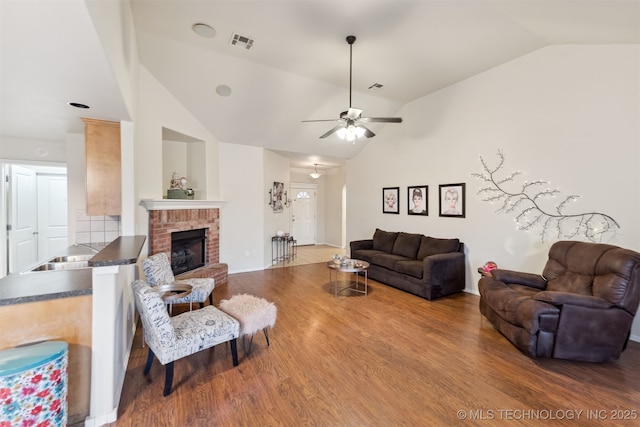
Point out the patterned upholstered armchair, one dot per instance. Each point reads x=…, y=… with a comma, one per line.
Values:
x=157, y=270
x=172, y=338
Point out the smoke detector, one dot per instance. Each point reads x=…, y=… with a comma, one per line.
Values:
x=242, y=41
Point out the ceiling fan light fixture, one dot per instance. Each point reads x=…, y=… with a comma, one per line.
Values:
x=350, y=133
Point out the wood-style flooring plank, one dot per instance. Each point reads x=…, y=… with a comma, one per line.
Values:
x=385, y=359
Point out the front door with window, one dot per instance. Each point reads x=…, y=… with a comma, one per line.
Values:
x=303, y=213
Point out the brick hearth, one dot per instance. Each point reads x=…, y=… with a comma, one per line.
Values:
x=164, y=222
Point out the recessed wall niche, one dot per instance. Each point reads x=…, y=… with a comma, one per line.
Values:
x=185, y=155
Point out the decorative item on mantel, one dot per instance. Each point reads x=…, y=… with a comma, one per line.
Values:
x=178, y=189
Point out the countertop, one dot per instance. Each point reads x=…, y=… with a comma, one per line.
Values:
x=44, y=285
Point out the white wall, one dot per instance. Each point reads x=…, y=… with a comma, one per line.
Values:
x=566, y=114
x=76, y=180
x=32, y=150
x=157, y=108
x=334, y=212
x=244, y=193
x=113, y=22
x=276, y=169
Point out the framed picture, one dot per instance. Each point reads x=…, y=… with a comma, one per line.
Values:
x=391, y=200
x=452, y=200
x=418, y=200
x=278, y=193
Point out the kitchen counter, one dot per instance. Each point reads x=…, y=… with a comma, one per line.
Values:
x=26, y=287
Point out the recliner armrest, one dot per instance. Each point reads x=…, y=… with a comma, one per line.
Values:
x=562, y=298
x=519, y=278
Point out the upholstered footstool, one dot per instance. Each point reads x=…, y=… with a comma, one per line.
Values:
x=253, y=314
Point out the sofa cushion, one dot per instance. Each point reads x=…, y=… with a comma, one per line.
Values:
x=571, y=282
x=387, y=260
x=515, y=303
x=365, y=254
x=384, y=240
x=432, y=246
x=412, y=268
x=406, y=245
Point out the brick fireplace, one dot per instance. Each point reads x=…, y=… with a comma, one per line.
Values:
x=166, y=217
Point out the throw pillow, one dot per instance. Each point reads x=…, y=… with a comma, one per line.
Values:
x=384, y=240
x=407, y=245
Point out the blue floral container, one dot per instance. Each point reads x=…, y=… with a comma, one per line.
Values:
x=34, y=384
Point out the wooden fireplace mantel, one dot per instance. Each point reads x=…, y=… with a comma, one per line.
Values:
x=173, y=204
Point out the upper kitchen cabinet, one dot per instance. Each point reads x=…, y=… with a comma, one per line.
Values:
x=104, y=177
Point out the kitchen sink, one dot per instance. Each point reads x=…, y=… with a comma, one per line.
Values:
x=61, y=265
x=72, y=258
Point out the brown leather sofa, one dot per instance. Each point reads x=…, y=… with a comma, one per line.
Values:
x=422, y=265
x=580, y=308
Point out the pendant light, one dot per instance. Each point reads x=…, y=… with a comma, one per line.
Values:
x=315, y=175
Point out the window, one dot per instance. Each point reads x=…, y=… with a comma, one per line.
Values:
x=303, y=195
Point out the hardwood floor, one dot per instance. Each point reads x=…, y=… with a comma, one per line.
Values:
x=385, y=359
x=311, y=254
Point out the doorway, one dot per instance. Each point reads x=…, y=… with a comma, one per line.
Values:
x=303, y=213
x=34, y=200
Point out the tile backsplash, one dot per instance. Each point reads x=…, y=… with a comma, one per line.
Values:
x=96, y=229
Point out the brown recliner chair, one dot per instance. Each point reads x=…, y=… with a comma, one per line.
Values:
x=581, y=308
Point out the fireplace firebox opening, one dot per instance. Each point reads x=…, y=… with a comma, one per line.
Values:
x=188, y=250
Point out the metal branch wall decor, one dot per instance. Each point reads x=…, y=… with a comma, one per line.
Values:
x=525, y=201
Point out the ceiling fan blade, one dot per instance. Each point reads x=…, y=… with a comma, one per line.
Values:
x=321, y=120
x=332, y=131
x=380, y=120
x=367, y=131
x=353, y=113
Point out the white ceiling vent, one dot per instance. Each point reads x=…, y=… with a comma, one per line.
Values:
x=242, y=41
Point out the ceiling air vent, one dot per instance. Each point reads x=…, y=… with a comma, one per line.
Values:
x=242, y=41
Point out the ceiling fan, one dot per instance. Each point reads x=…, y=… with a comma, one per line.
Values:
x=350, y=124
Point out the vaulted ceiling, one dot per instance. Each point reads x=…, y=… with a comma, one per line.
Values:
x=297, y=67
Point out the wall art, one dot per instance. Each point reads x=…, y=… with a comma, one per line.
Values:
x=391, y=200
x=452, y=200
x=528, y=202
x=418, y=200
x=277, y=202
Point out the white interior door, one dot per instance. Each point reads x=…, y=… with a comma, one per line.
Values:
x=23, y=202
x=52, y=215
x=303, y=214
